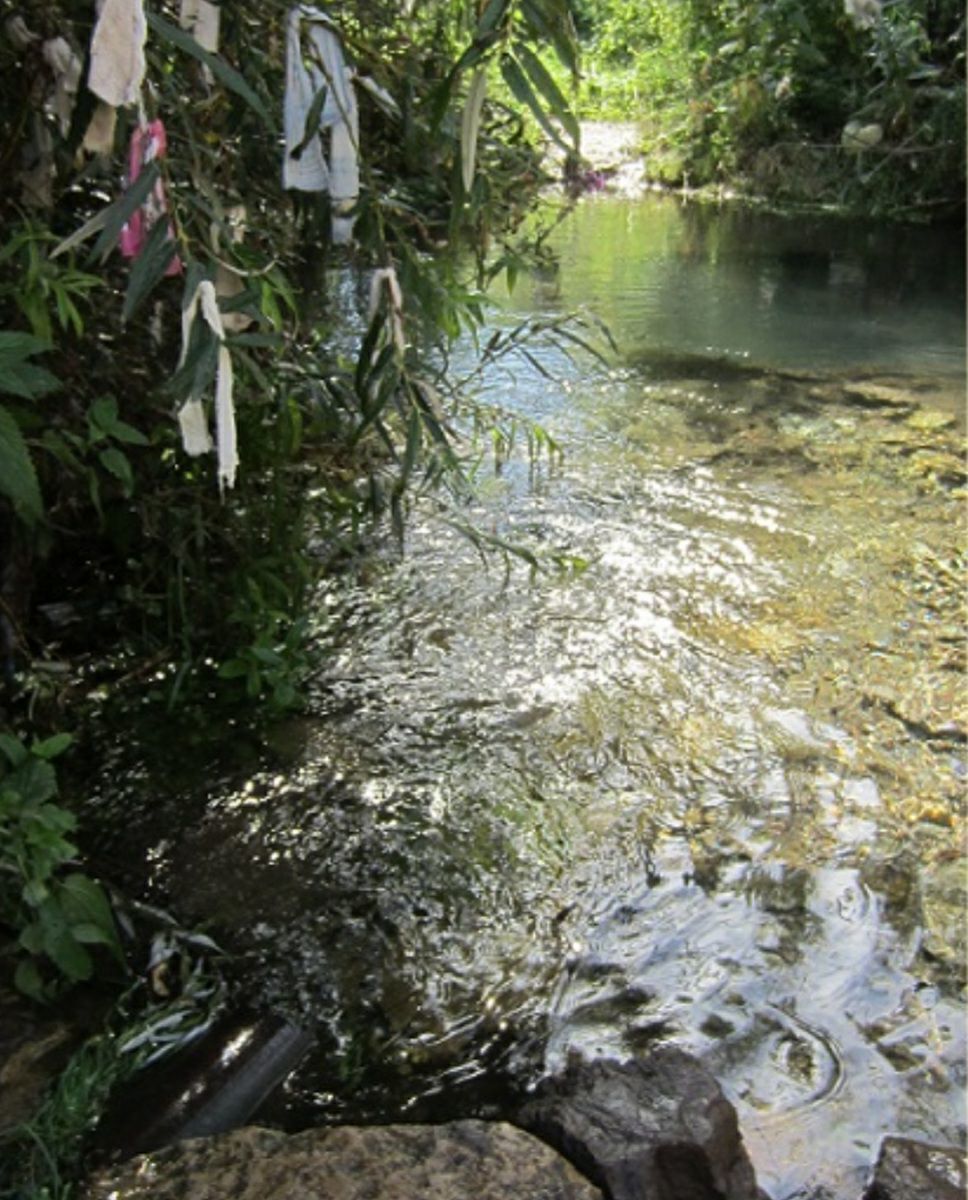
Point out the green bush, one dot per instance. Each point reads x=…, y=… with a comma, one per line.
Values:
x=55, y=913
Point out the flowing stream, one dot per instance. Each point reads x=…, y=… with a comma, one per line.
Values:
x=708, y=789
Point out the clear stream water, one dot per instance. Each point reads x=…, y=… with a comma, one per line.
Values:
x=708, y=790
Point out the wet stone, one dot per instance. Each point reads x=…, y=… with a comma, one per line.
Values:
x=394, y=1162
x=909, y=1170
x=656, y=1128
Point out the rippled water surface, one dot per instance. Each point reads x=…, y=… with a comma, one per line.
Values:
x=708, y=789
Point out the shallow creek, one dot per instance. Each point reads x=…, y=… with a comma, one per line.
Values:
x=708, y=789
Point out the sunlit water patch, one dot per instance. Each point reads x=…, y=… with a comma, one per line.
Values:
x=707, y=790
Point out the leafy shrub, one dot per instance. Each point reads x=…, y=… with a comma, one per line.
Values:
x=55, y=913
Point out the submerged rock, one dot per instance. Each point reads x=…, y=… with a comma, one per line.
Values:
x=909, y=1170
x=489, y=1161
x=656, y=1128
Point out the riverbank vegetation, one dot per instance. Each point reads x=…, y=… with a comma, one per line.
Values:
x=216, y=389
x=219, y=374
x=857, y=105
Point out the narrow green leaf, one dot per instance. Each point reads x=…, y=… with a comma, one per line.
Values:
x=470, y=126
x=18, y=479
x=109, y=222
x=149, y=267
x=522, y=91
x=542, y=80
x=313, y=118
x=492, y=15
x=217, y=65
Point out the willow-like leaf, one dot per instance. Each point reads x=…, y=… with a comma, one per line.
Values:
x=542, y=80
x=215, y=63
x=470, y=126
x=111, y=220
x=522, y=91
x=149, y=267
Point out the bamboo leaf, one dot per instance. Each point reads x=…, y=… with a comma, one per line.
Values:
x=491, y=17
x=313, y=120
x=522, y=91
x=542, y=80
x=18, y=479
x=470, y=126
x=111, y=220
x=217, y=65
x=149, y=267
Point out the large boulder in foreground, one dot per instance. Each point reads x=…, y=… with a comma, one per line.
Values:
x=656, y=1128
x=909, y=1170
x=486, y=1161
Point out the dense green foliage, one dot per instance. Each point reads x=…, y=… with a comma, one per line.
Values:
x=776, y=97
x=110, y=535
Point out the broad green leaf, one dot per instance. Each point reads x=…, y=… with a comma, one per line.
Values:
x=217, y=65
x=34, y=779
x=470, y=125
x=149, y=267
x=28, y=980
x=539, y=76
x=32, y=938
x=116, y=462
x=52, y=746
x=13, y=749
x=92, y=935
x=67, y=954
x=26, y=380
x=20, y=345
x=18, y=479
x=35, y=892
x=84, y=904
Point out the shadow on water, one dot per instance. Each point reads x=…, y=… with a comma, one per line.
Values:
x=709, y=790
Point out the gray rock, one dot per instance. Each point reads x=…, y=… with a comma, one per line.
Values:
x=909, y=1170
x=395, y=1162
x=656, y=1128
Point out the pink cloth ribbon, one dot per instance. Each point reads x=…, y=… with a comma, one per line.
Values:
x=148, y=142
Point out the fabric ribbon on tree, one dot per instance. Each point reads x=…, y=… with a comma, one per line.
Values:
x=192, y=421
x=148, y=143
x=305, y=165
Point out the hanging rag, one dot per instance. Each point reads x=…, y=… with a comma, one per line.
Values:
x=385, y=279
x=53, y=93
x=201, y=18
x=118, y=52
x=196, y=438
x=148, y=142
x=65, y=65
x=99, y=136
x=326, y=70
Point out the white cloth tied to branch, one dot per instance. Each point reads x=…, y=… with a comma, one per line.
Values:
x=864, y=13
x=201, y=18
x=118, y=52
x=65, y=66
x=326, y=69
x=192, y=421
x=386, y=279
